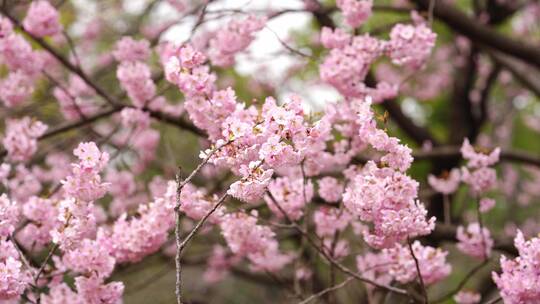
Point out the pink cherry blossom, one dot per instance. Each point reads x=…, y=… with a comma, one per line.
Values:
x=219, y=264
x=356, y=12
x=447, y=184
x=411, y=45
x=89, y=257
x=94, y=291
x=480, y=180
x=179, y=5
x=21, y=136
x=42, y=215
x=337, y=250
x=90, y=157
x=136, y=79
x=518, y=281
x=76, y=222
x=478, y=159
x=9, y=215
x=6, y=27
x=23, y=184
x=233, y=38
x=195, y=203
x=277, y=154
x=486, y=204
x=471, y=241
x=431, y=261
x=253, y=185
x=328, y=221
x=122, y=183
x=257, y=243
x=61, y=293
x=336, y=38
x=42, y=19
x=291, y=195
x=13, y=278
x=375, y=266
x=467, y=297
x=132, y=239
x=387, y=199
x=15, y=89
x=190, y=57
x=346, y=68
x=323, y=150
x=17, y=54
x=330, y=189
x=128, y=49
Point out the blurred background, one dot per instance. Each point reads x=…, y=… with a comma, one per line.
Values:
x=464, y=91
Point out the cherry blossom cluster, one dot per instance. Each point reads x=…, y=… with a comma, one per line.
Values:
x=24, y=64
x=257, y=243
x=351, y=57
x=477, y=174
x=68, y=220
x=518, y=281
x=397, y=263
x=15, y=277
x=20, y=139
x=381, y=193
x=235, y=37
x=75, y=99
x=355, y=12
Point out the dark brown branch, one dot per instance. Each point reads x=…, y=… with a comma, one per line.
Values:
x=449, y=152
x=448, y=233
x=65, y=62
x=178, y=122
x=418, y=134
x=485, y=94
x=523, y=73
x=418, y=272
x=462, y=119
x=462, y=283
x=330, y=259
x=480, y=33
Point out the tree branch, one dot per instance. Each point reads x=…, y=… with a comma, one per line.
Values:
x=524, y=74
x=418, y=134
x=449, y=152
x=479, y=33
x=448, y=233
x=331, y=260
x=65, y=62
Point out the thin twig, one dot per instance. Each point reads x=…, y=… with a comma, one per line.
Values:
x=288, y=47
x=65, y=62
x=462, y=283
x=418, y=272
x=327, y=290
x=182, y=244
x=493, y=301
x=42, y=267
x=21, y=254
x=179, y=243
x=338, y=265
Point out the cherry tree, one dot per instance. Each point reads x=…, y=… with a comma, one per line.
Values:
x=380, y=152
